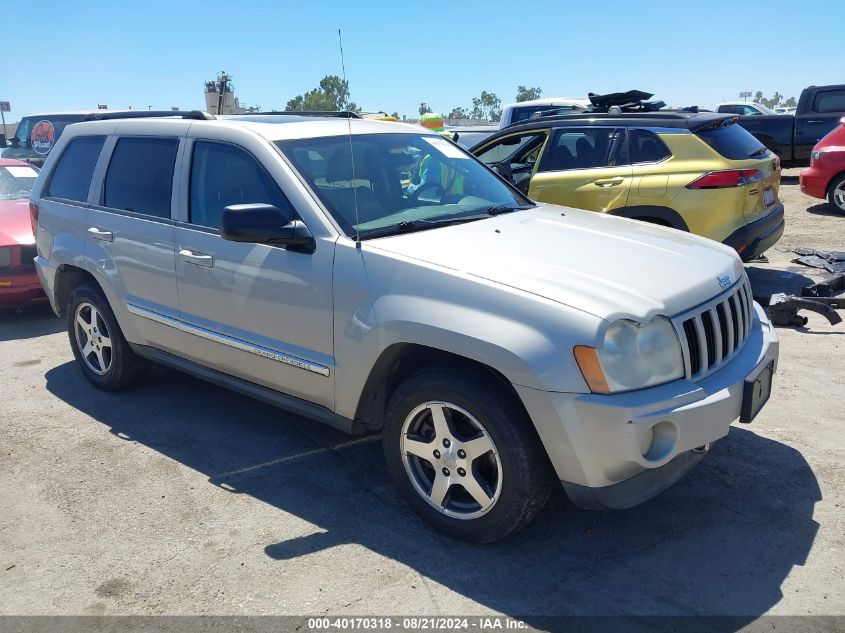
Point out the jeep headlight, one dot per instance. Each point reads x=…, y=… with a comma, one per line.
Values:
x=632, y=356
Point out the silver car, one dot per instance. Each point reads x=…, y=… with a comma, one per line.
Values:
x=374, y=276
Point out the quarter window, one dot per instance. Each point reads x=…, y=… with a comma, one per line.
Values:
x=519, y=148
x=581, y=148
x=72, y=176
x=140, y=176
x=646, y=147
x=222, y=175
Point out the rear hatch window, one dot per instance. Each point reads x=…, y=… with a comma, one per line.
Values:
x=733, y=142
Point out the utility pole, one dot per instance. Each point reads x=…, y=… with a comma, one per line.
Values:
x=4, y=106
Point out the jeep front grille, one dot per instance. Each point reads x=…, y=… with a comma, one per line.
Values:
x=713, y=333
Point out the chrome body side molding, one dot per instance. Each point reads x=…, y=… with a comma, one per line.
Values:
x=229, y=341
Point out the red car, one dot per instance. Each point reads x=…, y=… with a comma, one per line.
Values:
x=826, y=176
x=19, y=284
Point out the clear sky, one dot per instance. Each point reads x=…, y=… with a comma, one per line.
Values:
x=73, y=54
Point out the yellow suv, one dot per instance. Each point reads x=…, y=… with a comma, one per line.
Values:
x=697, y=172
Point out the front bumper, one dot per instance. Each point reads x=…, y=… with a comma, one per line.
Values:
x=597, y=442
x=20, y=289
x=755, y=238
x=813, y=183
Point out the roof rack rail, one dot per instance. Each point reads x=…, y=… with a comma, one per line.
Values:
x=198, y=115
x=341, y=114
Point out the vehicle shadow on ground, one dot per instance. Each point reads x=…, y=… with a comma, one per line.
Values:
x=789, y=180
x=825, y=209
x=767, y=281
x=721, y=541
x=31, y=322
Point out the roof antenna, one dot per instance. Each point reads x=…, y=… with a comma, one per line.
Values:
x=351, y=152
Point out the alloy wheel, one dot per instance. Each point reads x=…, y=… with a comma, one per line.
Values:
x=451, y=460
x=92, y=338
x=839, y=196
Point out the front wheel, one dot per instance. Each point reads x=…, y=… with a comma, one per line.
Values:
x=836, y=194
x=464, y=455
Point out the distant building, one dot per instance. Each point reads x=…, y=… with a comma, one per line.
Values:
x=220, y=97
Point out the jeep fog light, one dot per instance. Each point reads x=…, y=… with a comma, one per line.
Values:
x=664, y=439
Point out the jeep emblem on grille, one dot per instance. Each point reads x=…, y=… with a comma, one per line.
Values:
x=724, y=280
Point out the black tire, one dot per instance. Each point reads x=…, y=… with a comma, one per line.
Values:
x=122, y=366
x=839, y=205
x=526, y=474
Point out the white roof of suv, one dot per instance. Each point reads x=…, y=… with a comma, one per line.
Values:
x=271, y=127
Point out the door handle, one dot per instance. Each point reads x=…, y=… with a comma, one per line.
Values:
x=609, y=182
x=815, y=122
x=100, y=234
x=197, y=259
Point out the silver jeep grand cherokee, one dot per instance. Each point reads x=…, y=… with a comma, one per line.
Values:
x=374, y=276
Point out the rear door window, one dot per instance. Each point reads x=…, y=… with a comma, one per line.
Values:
x=71, y=177
x=733, y=142
x=581, y=148
x=829, y=101
x=140, y=176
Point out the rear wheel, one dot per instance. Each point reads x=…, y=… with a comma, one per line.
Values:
x=836, y=193
x=464, y=455
x=102, y=353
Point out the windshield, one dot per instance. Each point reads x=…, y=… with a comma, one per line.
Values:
x=401, y=181
x=16, y=181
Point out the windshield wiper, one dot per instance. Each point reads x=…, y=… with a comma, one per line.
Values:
x=410, y=226
x=498, y=209
x=762, y=150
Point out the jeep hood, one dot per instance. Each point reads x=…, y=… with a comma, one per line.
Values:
x=607, y=266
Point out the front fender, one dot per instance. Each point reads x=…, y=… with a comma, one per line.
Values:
x=383, y=300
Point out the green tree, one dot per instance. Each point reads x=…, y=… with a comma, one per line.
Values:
x=332, y=94
x=458, y=113
x=395, y=115
x=758, y=96
x=425, y=108
x=492, y=105
x=790, y=103
x=528, y=94
x=486, y=106
x=477, y=111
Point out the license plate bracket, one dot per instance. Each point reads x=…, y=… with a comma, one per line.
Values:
x=768, y=196
x=756, y=392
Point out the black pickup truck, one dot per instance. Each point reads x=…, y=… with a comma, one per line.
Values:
x=792, y=137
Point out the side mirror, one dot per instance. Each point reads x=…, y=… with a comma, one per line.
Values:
x=265, y=224
x=504, y=170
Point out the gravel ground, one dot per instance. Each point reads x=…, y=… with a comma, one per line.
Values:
x=180, y=498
